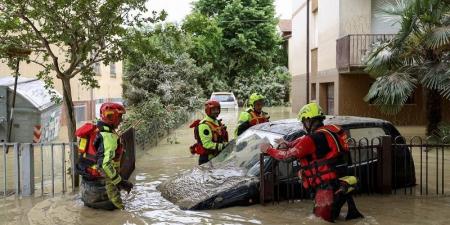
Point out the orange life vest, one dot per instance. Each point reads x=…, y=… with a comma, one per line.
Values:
x=219, y=135
x=257, y=119
x=331, y=150
x=87, y=163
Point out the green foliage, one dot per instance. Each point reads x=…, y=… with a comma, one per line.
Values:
x=238, y=40
x=274, y=86
x=174, y=84
x=160, y=82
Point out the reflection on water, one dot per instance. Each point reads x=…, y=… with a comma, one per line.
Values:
x=144, y=205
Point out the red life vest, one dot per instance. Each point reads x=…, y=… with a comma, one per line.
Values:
x=88, y=152
x=257, y=118
x=219, y=135
x=331, y=148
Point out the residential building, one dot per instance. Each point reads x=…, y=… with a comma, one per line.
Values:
x=341, y=34
x=86, y=100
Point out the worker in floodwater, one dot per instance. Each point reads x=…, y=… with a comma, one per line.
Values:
x=99, y=162
x=319, y=153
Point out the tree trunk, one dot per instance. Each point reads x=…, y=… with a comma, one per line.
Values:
x=71, y=123
x=433, y=110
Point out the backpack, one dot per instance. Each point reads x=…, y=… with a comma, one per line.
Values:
x=87, y=151
x=86, y=135
x=197, y=148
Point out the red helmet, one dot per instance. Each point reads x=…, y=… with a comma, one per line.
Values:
x=211, y=104
x=110, y=113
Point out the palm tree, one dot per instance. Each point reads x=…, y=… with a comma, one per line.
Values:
x=418, y=56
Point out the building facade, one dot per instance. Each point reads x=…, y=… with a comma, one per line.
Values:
x=86, y=100
x=341, y=34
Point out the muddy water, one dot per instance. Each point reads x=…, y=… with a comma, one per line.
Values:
x=144, y=205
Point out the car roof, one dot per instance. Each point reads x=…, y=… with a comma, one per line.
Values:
x=289, y=126
x=222, y=93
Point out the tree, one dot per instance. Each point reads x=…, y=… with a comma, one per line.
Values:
x=68, y=36
x=160, y=82
x=248, y=44
x=206, y=48
x=419, y=55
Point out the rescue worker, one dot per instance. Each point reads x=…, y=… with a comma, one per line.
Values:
x=253, y=115
x=211, y=135
x=320, y=153
x=101, y=183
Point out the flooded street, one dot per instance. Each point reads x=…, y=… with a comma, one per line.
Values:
x=144, y=205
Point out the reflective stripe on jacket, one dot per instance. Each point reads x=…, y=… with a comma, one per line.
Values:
x=109, y=153
x=212, y=134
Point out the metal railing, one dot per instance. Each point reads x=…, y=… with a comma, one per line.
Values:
x=53, y=164
x=20, y=166
x=353, y=48
x=415, y=167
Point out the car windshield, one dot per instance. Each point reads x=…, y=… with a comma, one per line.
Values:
x=223, y=98
x=244, y=152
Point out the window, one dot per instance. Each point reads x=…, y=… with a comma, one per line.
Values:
x=314, y=5
x=314, y=37
x=80, y=113
x=367, y=132
x=112, y=69
x=364, y=153
x=313, y=91
x=330, y=99
x=96, y=68
x=80, y=65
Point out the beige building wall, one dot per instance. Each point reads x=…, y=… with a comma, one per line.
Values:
x=355, y=17
x=324, y=30
x=297, y=57
x=84, y=98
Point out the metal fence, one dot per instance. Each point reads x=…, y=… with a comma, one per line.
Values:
x=47, y=162
x=48, y=168
x=414, y=167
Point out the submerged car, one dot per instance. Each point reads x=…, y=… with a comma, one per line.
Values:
x=232, y=178
x=226, y=100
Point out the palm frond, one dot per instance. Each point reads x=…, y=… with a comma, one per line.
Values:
x=391, y=92
x=391, y=11
x=437, y=78
x=381, y=60
x=438, y=37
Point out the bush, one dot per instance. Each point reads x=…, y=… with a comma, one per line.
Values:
x=275, y=86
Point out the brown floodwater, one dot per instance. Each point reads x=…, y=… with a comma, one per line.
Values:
x=144, y=205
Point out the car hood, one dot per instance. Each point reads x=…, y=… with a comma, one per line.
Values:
x=193, y=187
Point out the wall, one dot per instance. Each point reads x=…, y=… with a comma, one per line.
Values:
x=355, y=16
x=354, y=87
x=328, y=31
x=297, y=56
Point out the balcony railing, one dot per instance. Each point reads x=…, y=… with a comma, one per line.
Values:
x=353, y=48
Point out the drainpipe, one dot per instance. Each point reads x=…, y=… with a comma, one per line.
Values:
x=18, y=53
x=307, y=51
x=11, y=118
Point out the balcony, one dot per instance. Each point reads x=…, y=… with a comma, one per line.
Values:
x=353, y=48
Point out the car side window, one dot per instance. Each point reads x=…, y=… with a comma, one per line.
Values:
x=366, y=132
x=359, y=153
